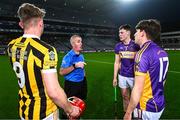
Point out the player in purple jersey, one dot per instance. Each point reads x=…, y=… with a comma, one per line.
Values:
x=124, y=63
x=151, y=66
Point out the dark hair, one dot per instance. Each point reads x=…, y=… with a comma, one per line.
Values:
x=126, y=27
x=152, y=28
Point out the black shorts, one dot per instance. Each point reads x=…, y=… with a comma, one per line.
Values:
x=78, y=89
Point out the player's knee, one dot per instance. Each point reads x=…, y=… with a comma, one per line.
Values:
x=125, y=96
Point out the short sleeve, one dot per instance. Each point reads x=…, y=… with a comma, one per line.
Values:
x=141, y=64
x=66, y=62
x=50, y=59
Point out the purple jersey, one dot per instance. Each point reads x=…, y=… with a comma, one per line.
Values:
x=127, y=54
x=152, y=62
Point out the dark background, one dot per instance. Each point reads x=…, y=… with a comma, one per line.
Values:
x=104, y=12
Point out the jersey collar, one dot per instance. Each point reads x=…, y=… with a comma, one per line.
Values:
x=146, y=43
x=31, y=36
x=128, y=43
x=74, y=53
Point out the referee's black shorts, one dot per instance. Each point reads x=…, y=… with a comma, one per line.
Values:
x=78, y=89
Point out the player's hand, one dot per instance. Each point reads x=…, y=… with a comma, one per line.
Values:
x=127, y=116
x=114, y=82
x=80, y=65
x=75, y=113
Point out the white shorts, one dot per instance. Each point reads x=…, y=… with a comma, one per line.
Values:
x=151, y=115
x=125, y=82
x=52, y=116
x=145, y=115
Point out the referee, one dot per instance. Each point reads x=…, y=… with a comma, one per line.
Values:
x=72, y=68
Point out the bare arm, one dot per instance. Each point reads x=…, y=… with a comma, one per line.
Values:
x=116, y=69
x=64, y=71
x=56, y=93
x=135, y=96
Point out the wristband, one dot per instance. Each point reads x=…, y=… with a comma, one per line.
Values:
x=74, y=66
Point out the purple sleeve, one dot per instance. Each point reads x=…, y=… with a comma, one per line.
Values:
x=116, y=49
x=143, y=64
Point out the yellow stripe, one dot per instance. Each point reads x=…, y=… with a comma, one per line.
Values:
x=145, y=47
x=12, y=41
x=25, y=92
x=20, y=110
x=13, y=49
x=56, y=56
x=24, y=88
x=140, y=73
x=139, y=54
x=20, y=103
x=26, y=112
x=22, y=52
x=147, y=92
x=38, y=61
x=48, y=104
x=33, y=85
x=32, y=77
x=38, y=46
x=46, y=59
x=127, y=54
x=36, y=112
x=51, y=107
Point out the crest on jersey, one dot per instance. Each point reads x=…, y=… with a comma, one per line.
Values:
x=51, y=55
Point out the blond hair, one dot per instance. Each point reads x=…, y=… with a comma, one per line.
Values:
x=72, y=38
x=28, y=11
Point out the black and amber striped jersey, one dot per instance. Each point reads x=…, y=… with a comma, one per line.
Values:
x=29, y=56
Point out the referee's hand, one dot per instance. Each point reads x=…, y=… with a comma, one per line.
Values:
x=80, y=64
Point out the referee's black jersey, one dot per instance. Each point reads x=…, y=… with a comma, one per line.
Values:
x=30, y=56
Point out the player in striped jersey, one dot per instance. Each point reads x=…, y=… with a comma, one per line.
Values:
x=34, y=63
x=151, y=66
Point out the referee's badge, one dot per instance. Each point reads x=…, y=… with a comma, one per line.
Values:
x=51, y=55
